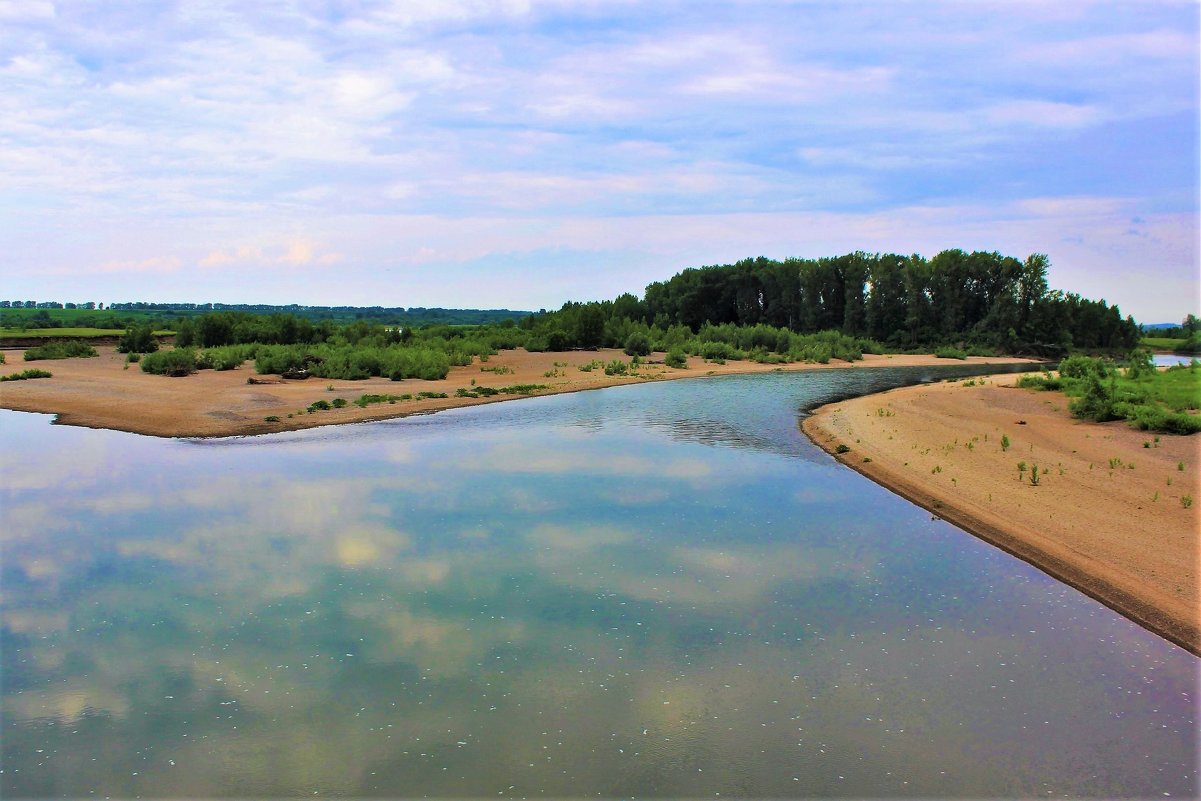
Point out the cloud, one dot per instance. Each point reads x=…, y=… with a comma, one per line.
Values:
x=153, y=264
x=398, y=140
x=298, y=253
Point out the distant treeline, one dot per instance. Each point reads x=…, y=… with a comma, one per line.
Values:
x=904, y=302
x=167, y=316
x=388, y=315
x=770, y=311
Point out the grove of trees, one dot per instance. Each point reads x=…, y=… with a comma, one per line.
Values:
x=904, y=302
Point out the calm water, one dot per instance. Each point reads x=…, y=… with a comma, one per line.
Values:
x=1170, y=359
x=660, y=590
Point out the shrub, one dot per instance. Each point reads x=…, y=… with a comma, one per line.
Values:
x=364, y=400
x=175, y=362
x=25, y=375
x=1082, y=367
x=64, y=349
x=1097, y=402
x=950, y=353
x=616, y=367
x=637, y=344
x=1045, y=382
x=842, y=448
x=225, y=357
x=338, y=403
x=677, y=359
x=521, y=389
x=1148, y=417
x=719, y=350
x=138, y=339
x=319, y=406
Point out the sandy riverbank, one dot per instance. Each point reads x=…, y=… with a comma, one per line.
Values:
x=1106, y=516
x=100, y=393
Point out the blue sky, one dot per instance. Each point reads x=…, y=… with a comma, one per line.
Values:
x=519, y=153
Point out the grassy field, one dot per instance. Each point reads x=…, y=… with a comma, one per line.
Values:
x=1161, y=343
x=76, y=333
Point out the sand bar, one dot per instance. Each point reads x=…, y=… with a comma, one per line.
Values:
x=1106, y=517
x=100, y=393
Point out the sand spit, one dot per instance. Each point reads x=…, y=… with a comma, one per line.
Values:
x=1111, y=514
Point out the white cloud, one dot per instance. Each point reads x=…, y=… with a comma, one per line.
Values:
x=402, y=139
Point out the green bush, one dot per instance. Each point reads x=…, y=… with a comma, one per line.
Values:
x=355, y=362
x=1147, y=417
x=1083, y=367
x=1097, y=401
x=25, y=375
x=364, y=400
x=1045, y=382
x=950, y=353
x=521, y=389
x=617, y=367
x=719, y=350
x=138, y=339
x=60, y=349
x=175, y=362
x=637, y=344
x=225, y=357
x=677, y=359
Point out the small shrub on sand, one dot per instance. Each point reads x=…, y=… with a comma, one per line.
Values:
x=67, y=349
x=25, y=375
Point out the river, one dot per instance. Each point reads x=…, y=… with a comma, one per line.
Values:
x=653, y=590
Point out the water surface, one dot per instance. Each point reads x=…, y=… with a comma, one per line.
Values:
x=656, y=590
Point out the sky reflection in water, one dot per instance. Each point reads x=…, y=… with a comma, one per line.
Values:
x=658, y=590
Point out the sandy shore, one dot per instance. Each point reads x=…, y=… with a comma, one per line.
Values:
x=1106, y=517
x=100, y=393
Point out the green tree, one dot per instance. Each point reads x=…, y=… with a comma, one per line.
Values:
x=138, y=339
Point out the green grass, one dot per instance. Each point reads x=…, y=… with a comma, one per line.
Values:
x=1161, y=343
x=1165, y=401
x=86, y=333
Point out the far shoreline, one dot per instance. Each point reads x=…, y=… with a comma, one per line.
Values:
x=99, y=392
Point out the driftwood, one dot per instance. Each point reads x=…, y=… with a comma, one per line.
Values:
x=253, y=380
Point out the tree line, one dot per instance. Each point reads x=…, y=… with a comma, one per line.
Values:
x=762, y=309
x=904, y=302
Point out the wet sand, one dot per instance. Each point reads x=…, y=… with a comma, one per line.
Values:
x=1106, y=516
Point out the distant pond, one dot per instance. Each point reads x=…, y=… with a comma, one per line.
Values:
x=656, y=590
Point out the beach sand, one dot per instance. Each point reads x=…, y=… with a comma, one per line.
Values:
x=1106, y=517
x=100, y=393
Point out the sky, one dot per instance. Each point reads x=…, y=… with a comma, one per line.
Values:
x=523, y=153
